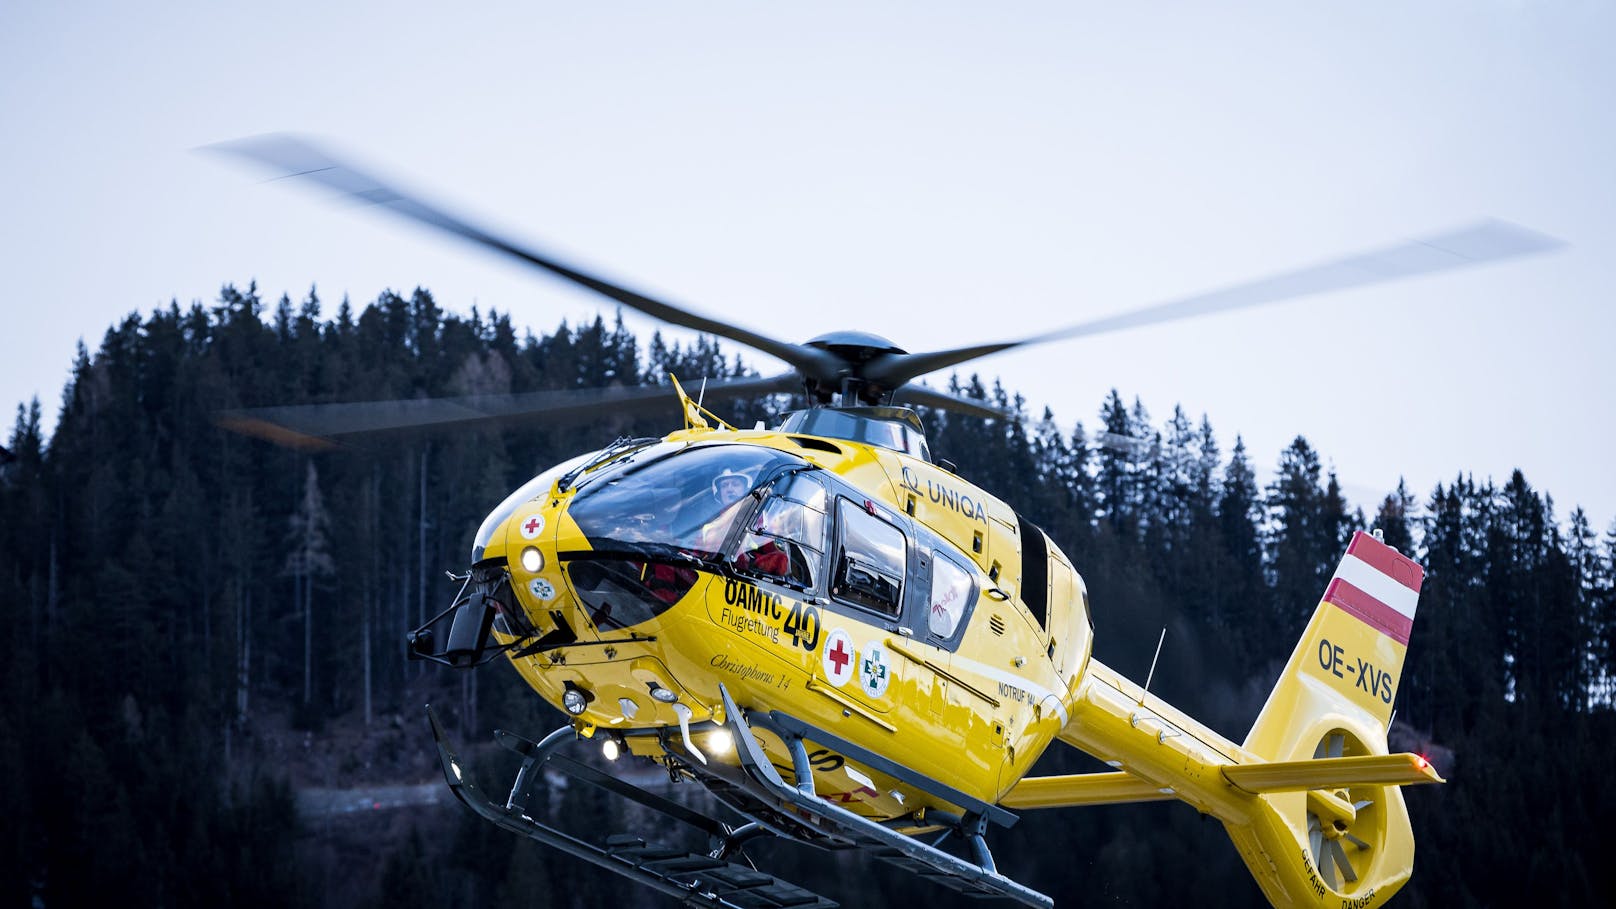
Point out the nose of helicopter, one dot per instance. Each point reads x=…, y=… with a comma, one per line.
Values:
x=523, y=541
x=529, y=549
x=529, y=540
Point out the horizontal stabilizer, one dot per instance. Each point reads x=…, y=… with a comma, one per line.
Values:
x=1332, y=773
x=1083, y=789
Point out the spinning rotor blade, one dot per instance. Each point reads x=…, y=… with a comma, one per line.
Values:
x=319, y=425
x=855, y=363
x=920, y=394
x=294, y=157
x=1487, y=241
x=1340, y=856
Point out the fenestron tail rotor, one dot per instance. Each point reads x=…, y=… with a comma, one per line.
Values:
x=1342, y=840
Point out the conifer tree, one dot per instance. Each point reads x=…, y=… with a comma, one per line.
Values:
x=1584, y=580
x=1302, y=531
x=1204, y=482
x=1115, y=461
x=1395, y=519
x=308, y=557
x=1065, y=500
x=1603, y=633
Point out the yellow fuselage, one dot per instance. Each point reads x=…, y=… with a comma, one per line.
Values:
x=973, y=716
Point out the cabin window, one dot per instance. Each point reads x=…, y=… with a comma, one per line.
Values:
x=872, y=560
x=1034, y=571
x=784, y=542
x=950, y=597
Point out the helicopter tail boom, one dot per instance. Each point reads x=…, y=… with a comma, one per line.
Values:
x=1311, y=799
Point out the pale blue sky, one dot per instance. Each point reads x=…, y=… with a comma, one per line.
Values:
x=939, y=173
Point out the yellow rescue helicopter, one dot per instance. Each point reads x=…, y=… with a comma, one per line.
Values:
x=853, y=647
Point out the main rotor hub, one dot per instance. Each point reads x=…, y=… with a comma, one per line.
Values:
x=854, y=349
x=858, y=346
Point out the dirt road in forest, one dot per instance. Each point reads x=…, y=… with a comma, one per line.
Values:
x=318, y=803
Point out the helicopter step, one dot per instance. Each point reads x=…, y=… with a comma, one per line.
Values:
x=695, y=879
x=974, y=878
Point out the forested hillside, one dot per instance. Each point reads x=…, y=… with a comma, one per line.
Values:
x=198, y=625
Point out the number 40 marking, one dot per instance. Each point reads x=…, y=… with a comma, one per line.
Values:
x=803, y=625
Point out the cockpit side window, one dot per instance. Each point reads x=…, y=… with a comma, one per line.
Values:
x=871, y=560
x=784, y=542
x=804, y=487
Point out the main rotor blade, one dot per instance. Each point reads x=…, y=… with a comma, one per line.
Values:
x=319, y=425
x=293, y=156
x=1477, y=244
x=920, y=394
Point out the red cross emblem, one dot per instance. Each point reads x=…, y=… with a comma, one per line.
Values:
x=837, y=657
x=532, y=526
x=840, y=656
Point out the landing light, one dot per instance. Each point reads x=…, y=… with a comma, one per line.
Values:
x=663, y=694
x=532, y=560
x=574, y=701
x=609, y=748
x=721, y=741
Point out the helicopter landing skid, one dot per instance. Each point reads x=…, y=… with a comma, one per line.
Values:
x=695, y=879
x=978, y=878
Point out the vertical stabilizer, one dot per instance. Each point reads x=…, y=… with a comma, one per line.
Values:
x=1350, y=659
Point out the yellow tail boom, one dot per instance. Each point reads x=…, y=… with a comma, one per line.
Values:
x=1311, y=798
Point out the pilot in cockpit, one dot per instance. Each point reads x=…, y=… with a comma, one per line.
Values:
x=772, y=543
x=729, y=490
x=729, y=486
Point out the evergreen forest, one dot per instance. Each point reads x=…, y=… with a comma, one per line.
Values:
x=203, y=632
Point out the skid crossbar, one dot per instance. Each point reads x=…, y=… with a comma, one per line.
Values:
x=978, y=878
x=694, y=879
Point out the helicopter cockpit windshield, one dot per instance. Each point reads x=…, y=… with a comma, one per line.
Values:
x=685, y=501
x=651, y=526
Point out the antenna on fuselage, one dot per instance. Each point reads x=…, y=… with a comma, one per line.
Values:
x=1152, y=674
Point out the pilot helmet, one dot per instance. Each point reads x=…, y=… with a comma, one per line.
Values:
x=725, y=477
